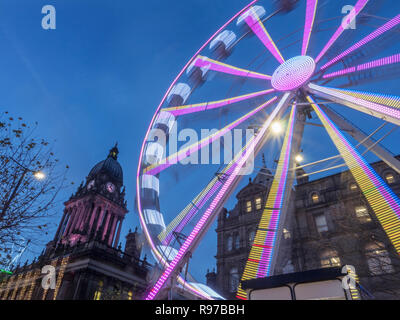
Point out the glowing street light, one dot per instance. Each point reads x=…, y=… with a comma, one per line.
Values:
x=276, y=127
x=39, y=175
x=299, y=158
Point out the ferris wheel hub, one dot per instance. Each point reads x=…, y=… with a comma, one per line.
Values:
x=293, y=73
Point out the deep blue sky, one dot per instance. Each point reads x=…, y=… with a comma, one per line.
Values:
x=100, y=75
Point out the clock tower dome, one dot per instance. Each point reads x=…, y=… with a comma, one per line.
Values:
x=98, y=208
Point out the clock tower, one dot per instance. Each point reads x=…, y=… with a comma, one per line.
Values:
x=98, y=208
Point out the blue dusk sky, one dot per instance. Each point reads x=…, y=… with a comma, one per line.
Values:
x=99, y=76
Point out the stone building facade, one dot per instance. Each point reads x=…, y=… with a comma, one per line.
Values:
x=85, y=261
x=330, y=224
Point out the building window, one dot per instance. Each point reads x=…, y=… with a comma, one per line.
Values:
x=315, y=197
x=229, y=244
x=378, y=259
x=97, y=294
x=258, y=203
x=389, y=178
x=130, y=295
x=249, y=207
x=234, y=279
x=362, y=214
x=320, y=222
x=286, y=233
x=330, y=258
x=252, y=235
x=237, y=241
x=353, y=186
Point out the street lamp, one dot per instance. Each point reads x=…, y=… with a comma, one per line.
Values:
x=276, y=127
x=299, y=158
x=38, y=174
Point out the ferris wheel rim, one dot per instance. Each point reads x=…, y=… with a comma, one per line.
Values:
x=149, y=238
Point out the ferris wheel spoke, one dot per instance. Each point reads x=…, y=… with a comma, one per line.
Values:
x=357, y=9
x=263, y=251
x=231, y=182
x=195, y=147
x=378, y=32
x=214, y=65
x=311, y=11
x=378, y=63
x=187, y=214
x=377, y=110
x=191, y=108
x=384, y=203
x=367, y=141
x=256, y=25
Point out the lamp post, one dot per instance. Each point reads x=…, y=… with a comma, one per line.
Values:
x=39, y=175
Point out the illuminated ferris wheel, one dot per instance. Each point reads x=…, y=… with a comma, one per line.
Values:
x=261, y=70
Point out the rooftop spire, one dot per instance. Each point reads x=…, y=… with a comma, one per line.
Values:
x=114, y=152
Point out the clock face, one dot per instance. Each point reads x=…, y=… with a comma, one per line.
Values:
x=110, y=187
x=90, y=185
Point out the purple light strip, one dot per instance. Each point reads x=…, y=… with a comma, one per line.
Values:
x=138, y=173
x=391, y=112
x=386, y=27
x=365, y=66
x=210, y=64
x=237, y=168
x=255, y=24
x=311, y=10
x=357, y=8
x=180, y=110
x=178, y=156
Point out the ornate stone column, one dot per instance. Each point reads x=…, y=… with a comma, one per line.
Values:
x=106, y=225
x=118, y=233
x=112, y=232
x=61, y=225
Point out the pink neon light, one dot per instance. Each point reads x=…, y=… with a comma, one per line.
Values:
x=183, y=249
x=386, y=27
x=142, y=221
x=357, y=8
x=293, y=73
x=311, y=10
x=253, y=21
x=379, y=184
x=182, y=154
x=365, y=66
x=204, y=62
x=177, y=111
x=395, y=113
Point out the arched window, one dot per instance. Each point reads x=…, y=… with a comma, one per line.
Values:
x=229, y=243
x=389, y=178
x=249, y=206
x=362, y=214
x=315, y=197
x=237, y=241
x=234, y=279
x=353, y=186
x=97, y=294
x=330, y=258
x=252, y=235
x=378, y=259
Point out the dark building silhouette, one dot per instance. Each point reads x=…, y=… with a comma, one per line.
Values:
x=86, y=253
x=329, y=224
